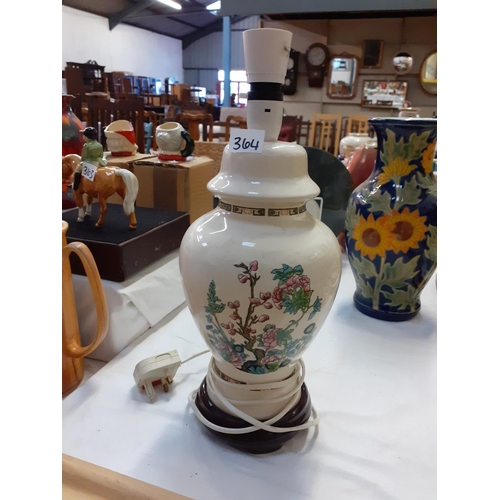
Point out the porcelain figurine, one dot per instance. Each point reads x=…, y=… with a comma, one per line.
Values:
x=170, y=138
x=72, y=142
x=92, y=152
x=120, y=138
x=260, y=273
x=106, y=181
x=391, y=221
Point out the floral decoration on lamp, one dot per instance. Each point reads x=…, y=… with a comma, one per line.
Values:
x=246, y=344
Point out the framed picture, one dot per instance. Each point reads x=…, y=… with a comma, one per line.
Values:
x=372, y=54
x=384, y=93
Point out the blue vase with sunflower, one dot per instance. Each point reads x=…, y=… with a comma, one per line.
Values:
x=391, y=221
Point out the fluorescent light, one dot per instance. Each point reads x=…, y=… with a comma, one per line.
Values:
x=171, y=3
x=213, y=6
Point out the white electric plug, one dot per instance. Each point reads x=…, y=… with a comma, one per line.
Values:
x=156, y=369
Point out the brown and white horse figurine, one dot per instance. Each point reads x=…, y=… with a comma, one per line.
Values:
x=107, y=181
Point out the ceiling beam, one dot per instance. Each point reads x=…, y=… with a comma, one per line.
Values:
x=350, y=15
x=116, y=19
x=185, y=23
x=178, y=13
x=207, y=30
x=257, y=7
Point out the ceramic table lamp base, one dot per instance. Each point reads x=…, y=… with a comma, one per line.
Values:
x=260, y=441
x=260, y=273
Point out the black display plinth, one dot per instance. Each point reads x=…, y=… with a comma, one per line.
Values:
x=120, y=252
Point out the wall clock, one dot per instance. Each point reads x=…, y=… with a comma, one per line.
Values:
x=292, y=72
x=317, y=59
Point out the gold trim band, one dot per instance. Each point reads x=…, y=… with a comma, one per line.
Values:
x=259, y=212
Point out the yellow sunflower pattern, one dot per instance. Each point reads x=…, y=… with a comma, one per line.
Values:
x=372, y=237
x=398, y=232
x=428, y=158
x=406, y=229
x=398, y=167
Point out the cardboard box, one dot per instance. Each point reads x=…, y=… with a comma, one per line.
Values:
x=122, y=162
x=175, y=186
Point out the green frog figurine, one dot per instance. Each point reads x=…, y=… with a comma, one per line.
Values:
x=92, y=152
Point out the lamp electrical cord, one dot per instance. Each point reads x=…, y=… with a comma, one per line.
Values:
x=293, y=384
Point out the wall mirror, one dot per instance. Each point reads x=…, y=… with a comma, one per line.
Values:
x=428, y=73
x=342, y=75
x=384, y=94
x=402, y=63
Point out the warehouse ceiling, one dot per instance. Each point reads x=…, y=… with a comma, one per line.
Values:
x=194, y=21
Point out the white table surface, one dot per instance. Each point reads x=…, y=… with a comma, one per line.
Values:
x=372, y=382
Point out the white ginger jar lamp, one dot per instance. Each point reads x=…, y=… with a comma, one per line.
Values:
x=260, y=273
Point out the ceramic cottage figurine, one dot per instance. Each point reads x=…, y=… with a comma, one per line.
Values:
x=170, y=138
x=260, y=273
x=120, y=138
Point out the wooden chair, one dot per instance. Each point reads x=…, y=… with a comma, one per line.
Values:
x=142, y=84
x=231, y=119
x=115, y=83
x=303, y=132
x=128, y=85
x=194, y=121
x=127, y=96
x=153, y=99
x=102, y=112
x=326, y=131
x=358, y=124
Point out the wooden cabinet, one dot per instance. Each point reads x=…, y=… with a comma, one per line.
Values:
x=181, y=92
x=84, y=78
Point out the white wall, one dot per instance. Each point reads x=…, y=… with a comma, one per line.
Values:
x=125, y=48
